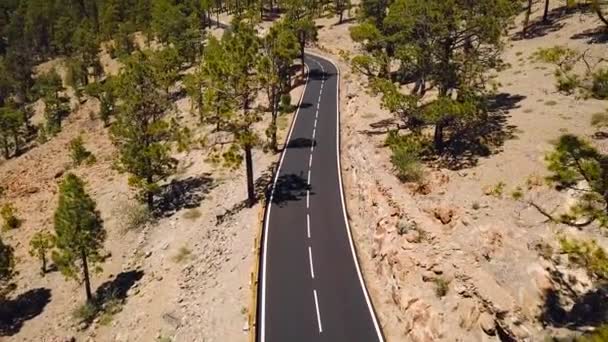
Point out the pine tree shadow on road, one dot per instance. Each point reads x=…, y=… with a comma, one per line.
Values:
x=301, y=143
x=26, y=306
x=181, y=194
x=290, y=187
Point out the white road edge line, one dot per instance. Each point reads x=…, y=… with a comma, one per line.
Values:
x=308, y=177
x=350, y=237
x=312, y=269
x=308, y=225
x=266, y=232
x=310, y=161
x=314, y=133
x=318, y=313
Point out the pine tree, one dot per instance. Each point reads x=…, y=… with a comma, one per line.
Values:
x=49, y=87
x=280, y=47
x=40, y=245
x=12, y=130
x=7, y=268
x=305, y=30
x=79, y=230
x=140, y=133
x=231, y=84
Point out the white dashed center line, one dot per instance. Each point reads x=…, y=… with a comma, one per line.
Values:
x=308, y=225
x=307, y=199
x=318, y=313
x=312, y=269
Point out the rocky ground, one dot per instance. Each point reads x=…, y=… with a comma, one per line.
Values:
x=454, y=259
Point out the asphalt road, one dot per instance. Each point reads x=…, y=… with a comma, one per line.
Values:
x=311, y=288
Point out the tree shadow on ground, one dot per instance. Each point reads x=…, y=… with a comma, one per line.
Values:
x=26, y=306
x=381, y=127
x=261, y=185
x=482, y=138
x=118, y=287
x=290, y=187
x=181, y=194
x=588, y=309
x=540, y=28
x=593, y=36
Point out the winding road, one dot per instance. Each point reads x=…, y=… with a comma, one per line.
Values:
x=311, y=288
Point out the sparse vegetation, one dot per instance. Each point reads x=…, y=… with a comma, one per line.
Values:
x=517, y=194
x=183, y=254
x=588, y=255
x=406, y=151
x=10, y=220
x=599, y=87
x=79, y=153
x=442, y=286
x=192, y=214
x=498, y=189
x=133, y=216
x=86, y=312
x=40, y=245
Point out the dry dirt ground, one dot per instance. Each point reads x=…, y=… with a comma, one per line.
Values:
x=185, y=277
x=484, y=248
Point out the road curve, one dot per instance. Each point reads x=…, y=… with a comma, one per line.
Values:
x=311, y=288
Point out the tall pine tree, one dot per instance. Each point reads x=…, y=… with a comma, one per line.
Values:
x=80, y=233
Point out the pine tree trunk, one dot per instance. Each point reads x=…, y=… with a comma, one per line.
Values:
x=273, y=138
x=302, y=44
x=149, y=194
x=250, y=186
x=7, y=153
x=546, y=13
x=43, y=260
x=85, y=274
x=527, y=19
x=438, y=137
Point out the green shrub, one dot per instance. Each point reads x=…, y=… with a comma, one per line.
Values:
x=79, y=153
x=498, y=189
x=285, y=103
x=183, y=254
x=599, y=88
x=518, y=193
x=441, y=286
x=192, y=214
x=567, y=83
x=86, y=312
x=555, y=55
x=406, y=152
x=9, y=216
x=598, y=335
x=599, y=120
x=133, y=215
